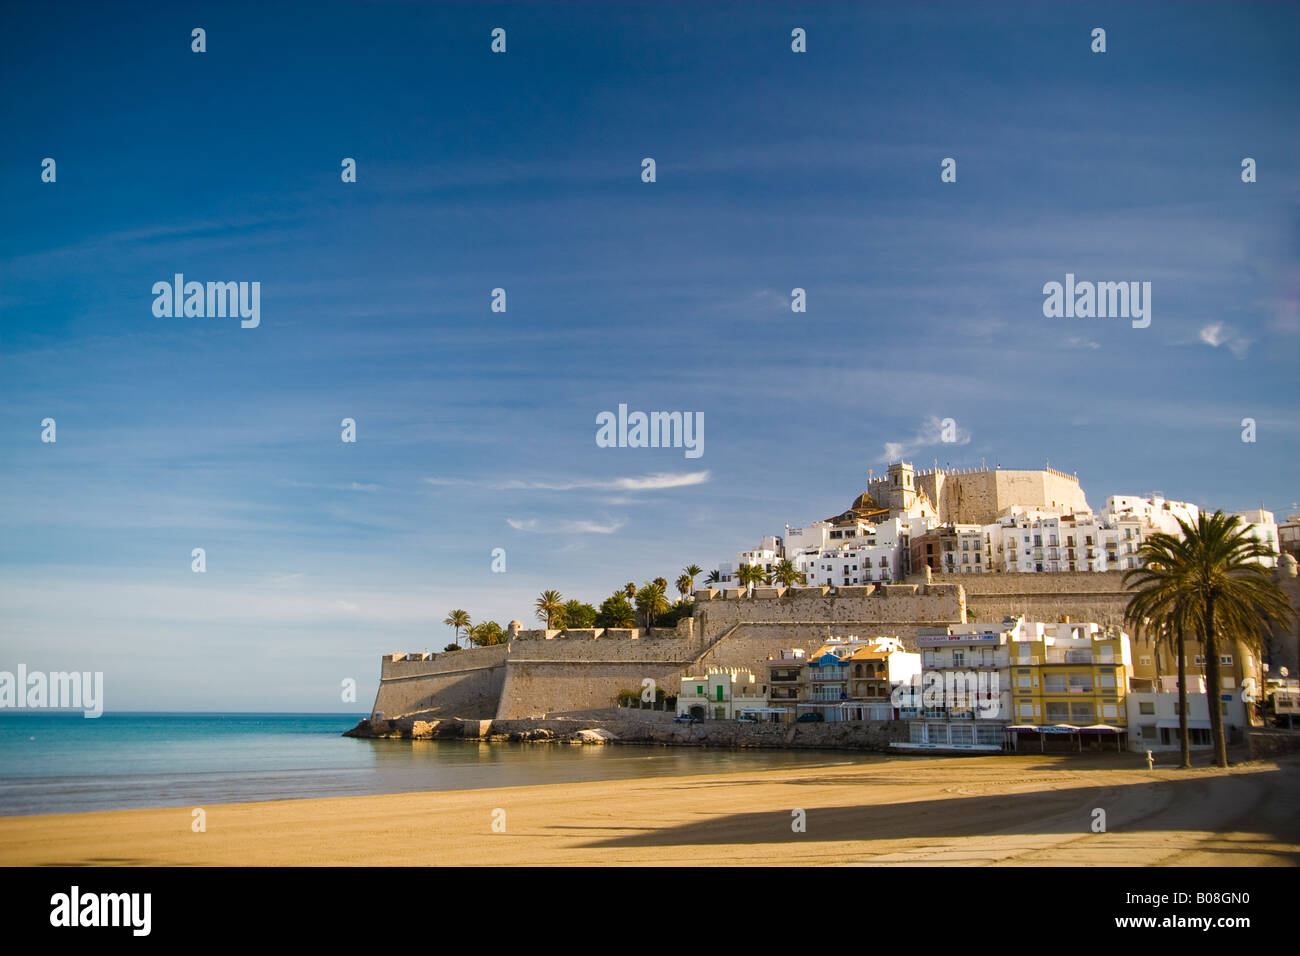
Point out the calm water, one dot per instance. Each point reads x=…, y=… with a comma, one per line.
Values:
x=66, y=763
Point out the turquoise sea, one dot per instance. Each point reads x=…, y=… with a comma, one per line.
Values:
x=66, y=763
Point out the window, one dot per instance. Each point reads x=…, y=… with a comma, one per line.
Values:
x=1225, y=659
x=958, y=658
x=1146, y=707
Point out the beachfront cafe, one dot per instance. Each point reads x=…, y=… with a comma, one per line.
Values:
x=1063, y=738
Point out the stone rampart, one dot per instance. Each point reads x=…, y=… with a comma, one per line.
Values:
x=464, y=683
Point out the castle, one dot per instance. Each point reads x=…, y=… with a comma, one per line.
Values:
x=974, y=495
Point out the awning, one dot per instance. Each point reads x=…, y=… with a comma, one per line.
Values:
x=1101, y=729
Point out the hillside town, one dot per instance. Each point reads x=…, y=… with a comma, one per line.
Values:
x=944, y=610
x=1012, y=684
x=978, y=521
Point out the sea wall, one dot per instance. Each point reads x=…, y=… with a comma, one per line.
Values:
x=464, y=683
x=1272, y=743
x=566, y=677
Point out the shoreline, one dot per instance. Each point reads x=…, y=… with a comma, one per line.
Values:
x=976, y=810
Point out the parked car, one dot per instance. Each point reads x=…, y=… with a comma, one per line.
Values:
x=746, y=718
x=812, y=717
x=687, y=719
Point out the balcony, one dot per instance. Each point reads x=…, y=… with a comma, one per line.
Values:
x=1069, y=657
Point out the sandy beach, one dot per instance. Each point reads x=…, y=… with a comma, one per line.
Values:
x=1021, y=810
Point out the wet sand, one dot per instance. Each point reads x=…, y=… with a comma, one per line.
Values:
x=1016, y=810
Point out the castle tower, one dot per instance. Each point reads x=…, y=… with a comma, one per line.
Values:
x=902, y=486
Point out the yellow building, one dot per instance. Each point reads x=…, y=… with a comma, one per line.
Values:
x=1069, y=682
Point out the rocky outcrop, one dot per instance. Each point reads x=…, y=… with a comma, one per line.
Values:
x=645, y=729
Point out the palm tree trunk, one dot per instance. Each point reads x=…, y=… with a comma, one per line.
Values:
x=1184, y=743
x=1212, y=685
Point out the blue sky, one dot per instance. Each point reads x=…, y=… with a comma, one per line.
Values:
x=475, y=171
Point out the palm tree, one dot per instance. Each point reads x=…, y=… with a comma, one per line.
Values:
x=684, y=585
x=548, y=606
x=714, y=577
x=1162, y=608
x=786, y=573
x=663, y=584
x=1226, y=588
x=616, y=612
x=750, y=574
x=457, y=619
x=630, y=589
x=692, y=571
x=651, y=602
x=579, y=614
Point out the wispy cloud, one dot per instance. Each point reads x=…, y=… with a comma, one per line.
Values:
x=930, y=433
x=534, y=525
x=656, y=482
x=1220, y=333
x=349, y=486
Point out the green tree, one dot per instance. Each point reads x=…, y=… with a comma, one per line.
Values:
x=630, y=589
x=680, y=609
x=615, y=611
x=750, y=574
x=663, y=584
x=487, y=634
x=714, y=577
x=692, y=571
x=549, y=604
x=684, y=584
x=651, y=602
x=579, y=614
x=1218, y=571
x=1160, y=607
x=787, y=574
x=457, y=619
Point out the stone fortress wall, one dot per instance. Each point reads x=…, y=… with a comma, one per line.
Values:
x=576, y=672
x=573, y=672
x=465, y=683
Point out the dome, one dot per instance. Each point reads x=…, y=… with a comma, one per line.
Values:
x=864, y=502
